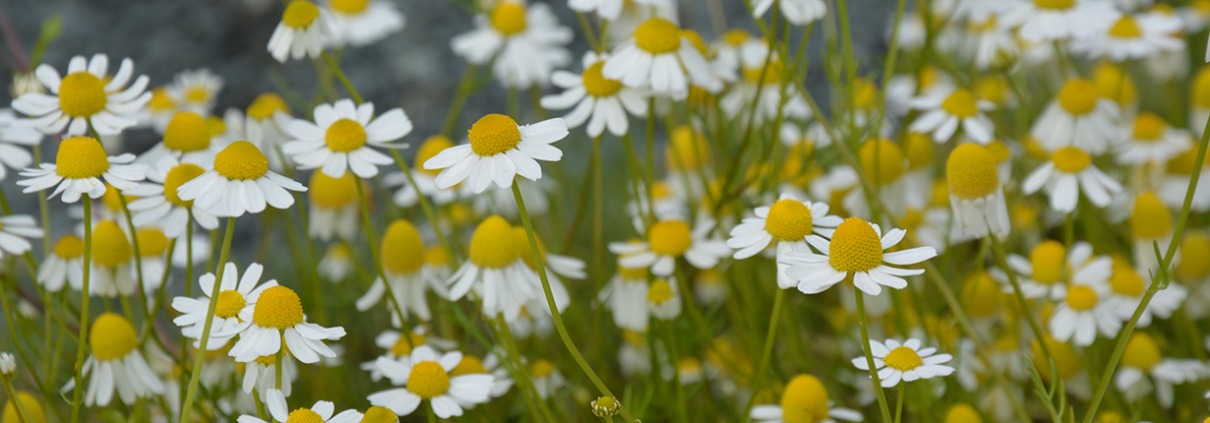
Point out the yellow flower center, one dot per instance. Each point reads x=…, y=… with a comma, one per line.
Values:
x=241, y=161
x=378, y=414
x=110, y=246
x=300, y=14
x=993, y=88
x=278, y=307
x=736, y=37
x=772, y=74
x=687, y=149
x=1054, y=4
x=1141, y=352
x=1067, y=362
x=971, y=172
x=1183, y=163
x=30, y=406
x=304, y=415
x=267, y=104
x=1071, y=159
x=1151, y=219
x=1148, y=127
x=1201, y=88
x=961, y=103
x=523, y=248
x=595, y=82
x=1080, y=298
x=82, y=94
x=428, y=379
x=542, y=368
x=493, y=245
x=963, y=413
x=1125, y=280
x=160, y=100
x=112, y=337
x=1078, y=96
x=429, y=149
x=69, y=247
x=351, y=7
x=332, y=193
x=882, y=160
x=657, y=36
x=855, y=246
x=638, y=274
x=152, y=241
x=509, y=18
x=660, y=292
x=177, y=176
x=805, y=400
x=345, y=135
x=494, y=134
x=81, y=157
x=903, y=359
x=865, y=94
x=789, y=220
x=1048, y=260
x=230, y=302
x=470, y=365
x=216, y=126
x=1195, y=244
x=403, y=346
x=436, y=256
x=1114, y=84
x=920, y=150
x=670, y=237
x=187, y=132
x=112, y=199
x=981, y=294
x=402, y=248
x=1126, y=27
x=196, y=94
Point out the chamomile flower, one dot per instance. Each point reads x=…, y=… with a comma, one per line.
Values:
x=278, y=315
x=403, y=258
x=600, y=102
x=607, y=9
x=1069, y=173
x=805, y=399
x=1143, y=360
x=524, y=43
x=64, y=264
x=975, y=191
x=425, y=375
x=8, y=365
x=112, y=261
x=263, y=126
x=786, y=223
x=1082, y=312
x=669, y=240
x=991, y=44
x=337, y=262
x=408, y=194
x=399, y=345
x=546, y=377
x=15, y=232
x=1151, y=140
x=626, y=296
x=153, y=256
x=1133, y=37
x=116, y=364
x=498, y=151
x=159, y=203
x=1078, y=117
x=1127, y=287
x=334, y=207
x=29, y=405
x=239, y=183
x=362, y=22
x=321, y=412
x=13, y=135
x=1050, y=266
x=664, y=299
x=659, y=56
x=187, y=138
x=1177, y=177
x=79, y=169
x=1060, y=20
x=797, y=12
x=305, y=29
x=342, y=136
x=236, y=301
x=947, y=112
x=856, y=251
x=471, y=364
x=497, y=274
x=195, y=90
x=87, y=95
x=905, y=362
x=766, y=85
x=261, y=374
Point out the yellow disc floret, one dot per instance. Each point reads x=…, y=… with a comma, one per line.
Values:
x=542, y=368
x=855, y=246
x=268, y=104
x=1071, y=159
x=660, y=292
x=278, y=307
x=241, y=161
x=82, y=94
x=1195, y=244
x=81, y=157
x=882, y=160
x=69, y=247
x=428, y=379
x=789, y=220
x=963, y=413
x=111, y=248
x=494, y=134
x=492, y=245
x=971, y=172
x=470, y=365
x=961, y=103
x=345, y=135
x=687, y=149
x=805, y=400
x=177, y=176
x=509, y=18
x=670, y=237
x=378, y=414
x=595, y=82
x=1200, y=95
x=1114, y=84
x=30, y=408
x=1049, y=260
x=304, y=415
x=1148, y=127
x=981, y=295
x=903, y=359
x=429, y=149
x=1125, y=280
x=349, y=7
x=112, y=337
x=332, y=193
x=230, y=303
x=1078, y=96
x=1054, y=4
x=1126, y=27
x=1081, y=297
x=404, y=344
x=187, y=132
x=1151, y=219
x=1141, y=352
x=402, y=249
x=657, y=36
x=152, y=241
x=300, y=14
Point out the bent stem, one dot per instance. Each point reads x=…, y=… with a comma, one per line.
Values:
x=191, y=392
x=82, y=344
x=371, y=239
x=869, y=356
x=539, y=263
x=767, y=351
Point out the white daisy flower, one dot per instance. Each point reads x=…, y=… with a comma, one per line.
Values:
x=660, y=57
x=334, y=207
x=1082, y=312
x=86, y=95
x=261, y=374
x=116, y=364
x=239, y=183
x=664, y=299
x=786, y=223
x=1079, y=117
x=470, y=364
x=497, y=151
x=990, y=42
x=797, y=12
x=337, y=262
x=607, y=9
x=856, y=248
x=1134, y=37
x=523, y=43
x=236, y=298
x=403, y=259
x=804, y=399
x=1143, y=360
x=1127, y=287
x=263, y=126
x=946, y=112
x=626, y=296
x=425, y=375
x=907, y=362
x=305, y=29
x=79, y=169
x=14, y=231
x=600, y=102
x=1050, y=266
x=362, y=22
x=321, y=412
x=195, y=90
x=408, y=195
x=1152, y=141
x=1069, y=173
x=159, y=203
x=669, y=240
x=278, y=315
x=113, y=272
x=399, y=346
x=498, y=275
x=153, y=256
x=546, y=377
x=765, y=85
x=341, y=138
x=13, y=135
x=1060, y=20
x=1178, y=174
x=975, y=191
x=188, y=137
x=65, y=264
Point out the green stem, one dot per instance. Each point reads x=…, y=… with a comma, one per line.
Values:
x=425, y=206
x=464, y=89
x=1002, y=261
x=340, y=75
x=869, y=356
x=195, y=375
x=767, y=352
x=899, y=403
x=22, y=415
x=372, y=240
x=82, y=345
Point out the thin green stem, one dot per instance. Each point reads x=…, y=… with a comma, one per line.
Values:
x=372, y=240
x=766, y=352
x=22, y=414
x=344, y=80
x=460, y=96
x=869, y=355
x=82, y=344
x=1002, y=262
x=195, y=375
x=899, y=402
x=425, y=206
